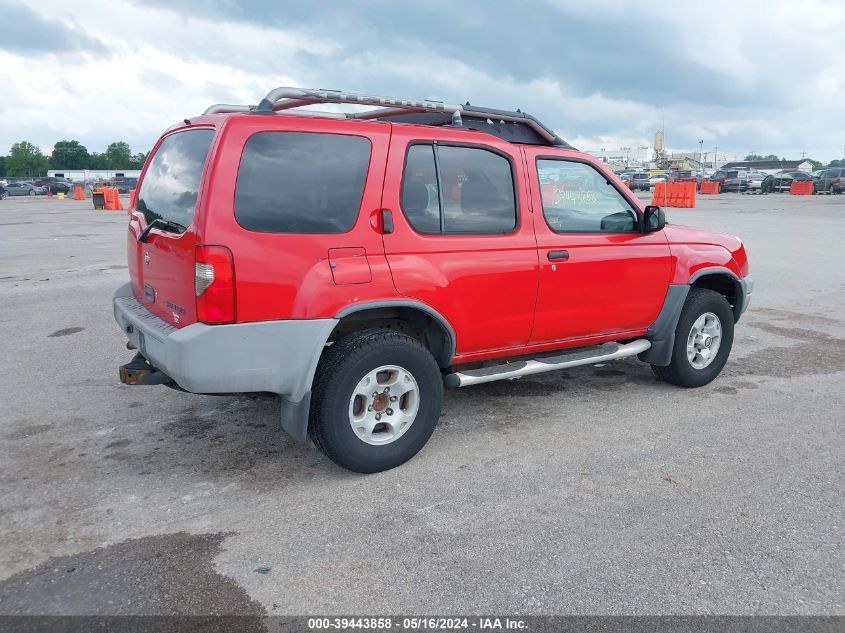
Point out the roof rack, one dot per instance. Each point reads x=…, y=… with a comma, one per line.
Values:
x=513, y=126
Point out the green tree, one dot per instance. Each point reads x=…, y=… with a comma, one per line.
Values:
x=98, y=161
x=837, y=163
x=137, y=161
x=816, y=164
x=118, y=155
x=69, y=155
x=3, y=165
x=25, y=159
x=759, y=157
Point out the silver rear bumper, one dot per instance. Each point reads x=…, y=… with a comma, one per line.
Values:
x=274, y=356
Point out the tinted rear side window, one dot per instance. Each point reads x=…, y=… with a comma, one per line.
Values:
x=171, y=183
x=458, y=190
x=301, y=182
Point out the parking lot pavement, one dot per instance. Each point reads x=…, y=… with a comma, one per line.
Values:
x=594, y=490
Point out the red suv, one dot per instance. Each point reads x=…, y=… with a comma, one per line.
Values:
x=355, y=263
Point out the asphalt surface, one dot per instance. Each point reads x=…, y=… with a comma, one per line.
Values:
x=594, y=490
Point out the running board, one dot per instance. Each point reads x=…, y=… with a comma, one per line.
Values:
x=582, y=356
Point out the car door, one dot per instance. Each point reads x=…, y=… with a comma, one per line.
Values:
x=600, y=276
x=462, y=240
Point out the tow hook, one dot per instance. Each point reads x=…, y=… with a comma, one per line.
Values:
x=139, y=372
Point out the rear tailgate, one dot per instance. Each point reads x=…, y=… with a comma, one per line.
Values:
x=162, y=268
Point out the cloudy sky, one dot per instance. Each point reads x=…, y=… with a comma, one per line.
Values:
x=754, y=76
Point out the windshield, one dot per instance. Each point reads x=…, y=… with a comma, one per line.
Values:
x=171, y=183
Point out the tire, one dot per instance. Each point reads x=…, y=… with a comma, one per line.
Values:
x=831, y=190
x=681, y=370
x=32, y=192
x=3, y=195
x=337, y=400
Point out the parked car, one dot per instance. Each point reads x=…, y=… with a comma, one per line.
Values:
x=55, y=185
x=124, y=184
x=730, y=180
x=829, y=180
x=782, y=181
x=640, y=181
x=3, y=193
x=755, y=180
x=354, y=267
x=653, y=180
x=20, y=188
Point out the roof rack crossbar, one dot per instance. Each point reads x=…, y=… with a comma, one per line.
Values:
x=286, y=98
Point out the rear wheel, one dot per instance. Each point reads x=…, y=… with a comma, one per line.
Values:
x=32, y=192
x=831, y=189
x=703, y=340
x=376, y=400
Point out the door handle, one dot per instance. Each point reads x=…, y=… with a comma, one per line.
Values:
x=562, y=255
x=386, y=221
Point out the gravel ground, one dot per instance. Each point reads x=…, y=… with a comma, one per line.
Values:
x=594, y=490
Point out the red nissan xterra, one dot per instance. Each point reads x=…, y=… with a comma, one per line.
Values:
x=355, y=263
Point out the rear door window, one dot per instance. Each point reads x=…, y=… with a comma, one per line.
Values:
x=301, y=182
x=171, y=183
x=457, y=190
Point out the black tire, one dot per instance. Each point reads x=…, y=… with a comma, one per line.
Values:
x=32, y=192
x=342, y=366
x=3, y=195
x=680, y=371
x=831, y=190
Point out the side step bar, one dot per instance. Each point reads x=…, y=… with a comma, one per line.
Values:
x=582, y=356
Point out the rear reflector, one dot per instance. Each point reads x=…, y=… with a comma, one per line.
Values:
x=214, y=284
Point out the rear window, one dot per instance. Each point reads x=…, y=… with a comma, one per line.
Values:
x=301, y=182
x=171, y=183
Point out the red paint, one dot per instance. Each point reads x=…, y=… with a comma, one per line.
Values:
x=498, y=292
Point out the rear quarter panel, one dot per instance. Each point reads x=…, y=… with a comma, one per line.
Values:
x=286, y=275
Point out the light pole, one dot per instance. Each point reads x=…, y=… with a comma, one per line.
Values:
x=700, y=153
x=627, y=151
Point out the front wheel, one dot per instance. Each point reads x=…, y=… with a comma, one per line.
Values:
x=32, y=192
x=703, y=340
x=376, y=400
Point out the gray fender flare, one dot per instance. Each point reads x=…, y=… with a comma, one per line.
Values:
x=661, y=333
x=294, y=415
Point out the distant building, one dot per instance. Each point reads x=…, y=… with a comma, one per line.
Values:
x=770, y=166
x=92, y=175
x=685, y=161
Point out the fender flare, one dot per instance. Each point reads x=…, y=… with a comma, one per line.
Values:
x=294, y=415
x=661, y=333
x=444, y=359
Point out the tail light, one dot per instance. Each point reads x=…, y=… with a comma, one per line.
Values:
x=214, y=284
x=838, y=181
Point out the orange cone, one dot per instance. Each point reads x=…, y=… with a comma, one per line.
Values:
x=77, y=193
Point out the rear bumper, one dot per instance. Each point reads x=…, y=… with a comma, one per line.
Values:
x=272, y=356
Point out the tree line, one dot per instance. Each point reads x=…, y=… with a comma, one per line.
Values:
x=815, y=163
x=26, y=159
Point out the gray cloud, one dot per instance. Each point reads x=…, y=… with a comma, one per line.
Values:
x=757, y=76
x=30, y=32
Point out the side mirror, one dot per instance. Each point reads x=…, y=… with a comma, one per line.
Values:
x=654, y=219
